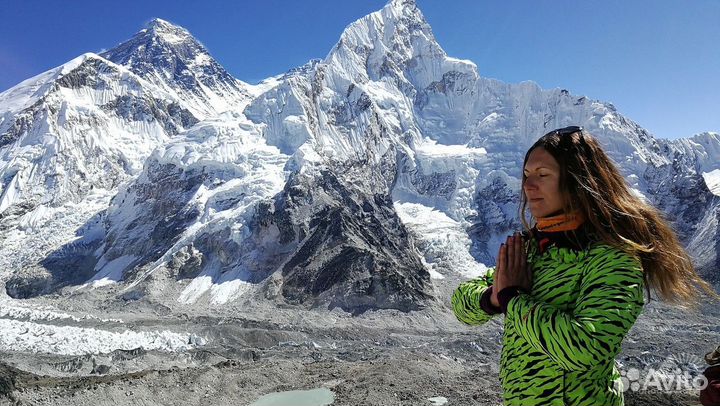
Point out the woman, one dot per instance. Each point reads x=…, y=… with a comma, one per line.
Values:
x=571, y=286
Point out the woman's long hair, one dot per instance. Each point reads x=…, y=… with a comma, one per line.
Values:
x=591, y=182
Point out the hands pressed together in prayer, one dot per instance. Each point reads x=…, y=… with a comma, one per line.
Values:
x=511, y=268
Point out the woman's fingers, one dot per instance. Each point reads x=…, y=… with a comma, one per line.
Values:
x=519, y=253
x=511, y=266
x=523, y=268
x=500, y=268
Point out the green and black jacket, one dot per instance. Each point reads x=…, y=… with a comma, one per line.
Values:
x=560, y=340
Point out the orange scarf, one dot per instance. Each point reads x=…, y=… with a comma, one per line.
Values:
x=562, y=222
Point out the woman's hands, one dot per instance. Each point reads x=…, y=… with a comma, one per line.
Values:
x=511, y=268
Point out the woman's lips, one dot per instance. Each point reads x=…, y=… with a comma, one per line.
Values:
x=536, y=200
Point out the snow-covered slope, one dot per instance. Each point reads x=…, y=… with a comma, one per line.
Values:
x=310, y=189
x=703, y=151
x=191, y=204
x=712, y=180
x=705, y=147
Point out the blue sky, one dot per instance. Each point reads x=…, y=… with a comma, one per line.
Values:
x=657, y=61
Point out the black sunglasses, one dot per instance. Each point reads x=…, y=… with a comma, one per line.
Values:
x=567, y=130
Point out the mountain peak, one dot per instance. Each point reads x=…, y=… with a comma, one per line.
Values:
x=399, y=18
x=158, y=39
x=402, y=4
x=169, y=56
x=159, y=22
x=395, y=41
x=167, y=31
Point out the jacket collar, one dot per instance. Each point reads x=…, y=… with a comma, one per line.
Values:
x=578, y=239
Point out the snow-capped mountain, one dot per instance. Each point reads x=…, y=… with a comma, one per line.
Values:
x=356, y=181
x=71, y=136
x=172, y=59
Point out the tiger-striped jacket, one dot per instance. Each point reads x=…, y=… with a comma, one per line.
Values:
x=560, y=341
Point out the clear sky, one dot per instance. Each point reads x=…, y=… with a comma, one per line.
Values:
x=658, y=61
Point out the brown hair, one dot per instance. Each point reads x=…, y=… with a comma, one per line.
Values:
x=591, y=182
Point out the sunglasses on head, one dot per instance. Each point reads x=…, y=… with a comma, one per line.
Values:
x=567, y=130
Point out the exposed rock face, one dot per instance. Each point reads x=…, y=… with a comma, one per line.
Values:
x=352, y=250
x=173, y=116
x=166, y=210
x=704, y=245
x=497, y=209
x=22, y=123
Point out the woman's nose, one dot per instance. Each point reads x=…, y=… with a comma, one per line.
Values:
x=529, y=184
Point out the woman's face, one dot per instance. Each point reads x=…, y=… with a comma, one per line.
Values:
x=542, y=184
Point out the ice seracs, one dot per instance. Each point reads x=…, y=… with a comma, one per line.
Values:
x=198, y=192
